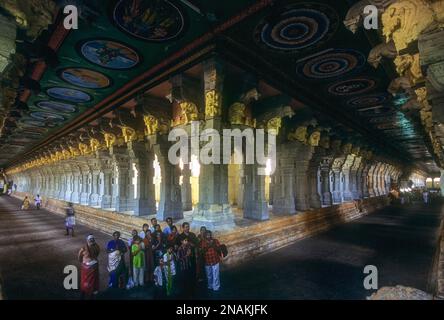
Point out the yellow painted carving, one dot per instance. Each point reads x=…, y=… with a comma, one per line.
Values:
x=212, y=104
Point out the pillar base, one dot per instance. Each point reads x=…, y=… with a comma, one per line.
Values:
x=144, y=207
x=256, y=210
x=347, y=196
x=124, y=204
x=315, y=201
x=74, y=197
x=106, y=202
x=84, y=199
x=327, y=199
x=213, y=217
x=172, y=209
x=284, y=206
x=94, y=200
x=337, y=196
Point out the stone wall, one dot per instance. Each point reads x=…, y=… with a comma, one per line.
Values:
x=243, y=243
x=438, y=268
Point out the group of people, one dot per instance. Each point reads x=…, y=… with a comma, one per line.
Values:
x=26, y=202
x=172, y=261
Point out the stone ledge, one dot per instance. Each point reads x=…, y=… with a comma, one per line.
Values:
x=244, y=242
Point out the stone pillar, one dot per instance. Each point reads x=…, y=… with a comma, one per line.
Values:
x=170, y=204
x=69, y=181
x=337, y=179
x=76, y=177
x=302, y=154
x=441, y=182
x=95, y=168
x=355, y=183
x=144, y=201
x=346, y=168
x=62, y=182
x=187, y=204
x=85, y=182
x=283, y=181
x=254, y=203
x=213, y=210
x=123, y=166
x=365, y=180
x=326, y=195
x=314, y=198
x=107, y=169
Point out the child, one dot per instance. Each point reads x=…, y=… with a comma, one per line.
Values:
x=137, y=252
x=186, y=269
x=170, y=266
x=159, y=280
x=25, y=204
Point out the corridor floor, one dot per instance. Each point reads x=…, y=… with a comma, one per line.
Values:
x=400, y=242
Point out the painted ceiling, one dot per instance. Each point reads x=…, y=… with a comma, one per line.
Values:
x=300, y=47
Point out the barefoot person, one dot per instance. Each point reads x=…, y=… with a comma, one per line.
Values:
x=70, y=220
x=25, y=203
x=38, y=201
x=89, y=271
x=116, y=249
x=212, y=257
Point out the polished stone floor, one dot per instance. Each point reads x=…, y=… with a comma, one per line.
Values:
x=400, y=242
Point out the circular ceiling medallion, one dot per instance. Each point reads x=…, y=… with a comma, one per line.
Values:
x=369, y=100
x=334, y=63
x=297, y=27
x=85, y=78
x=53, y=106
x=45, y=116
x=109, y=54
x=67, y=94
x=150, y=20
x=352, y=86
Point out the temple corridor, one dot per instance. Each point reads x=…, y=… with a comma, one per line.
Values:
x=400, y=241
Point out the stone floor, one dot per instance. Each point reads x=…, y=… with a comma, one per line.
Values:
x=401, y=242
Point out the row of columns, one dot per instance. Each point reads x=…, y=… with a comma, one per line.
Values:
x=309, y=177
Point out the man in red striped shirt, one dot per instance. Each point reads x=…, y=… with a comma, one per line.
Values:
x=212, y=258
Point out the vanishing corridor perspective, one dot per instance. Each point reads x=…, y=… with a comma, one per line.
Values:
x=319, y=148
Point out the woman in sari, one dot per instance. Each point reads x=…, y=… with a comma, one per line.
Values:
x=70, y=220
x=25, y=204
x=89, y=271
x=116, y=249
x=149, y=259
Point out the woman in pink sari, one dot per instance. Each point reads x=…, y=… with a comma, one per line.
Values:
x=89, y=272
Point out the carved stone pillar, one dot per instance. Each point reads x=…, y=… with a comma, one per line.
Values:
x=76, y=183
x=170, y=204
x=365, y=180
x=337, y=179
x=255, y=205
x=346, y=168
x=213, y=210
x=314, y=198
x=187, y=204
x=354, y=181
x=123, y=179
x=325, y=169
x=302, y=154
x=85, y=181
x=95, y=168
x=283, y=181
x=144, y=200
